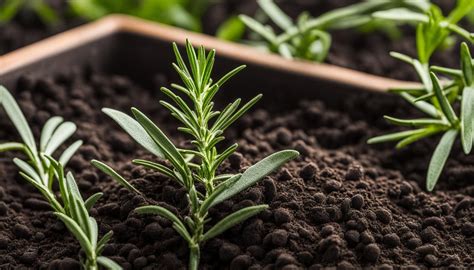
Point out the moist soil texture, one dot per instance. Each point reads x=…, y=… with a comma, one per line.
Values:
x=341, y=204
x=353, y=49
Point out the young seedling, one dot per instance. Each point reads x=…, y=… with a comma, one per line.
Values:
x=433, y=28
x=9, y=8
x=442, y=118
x=183, y=13
x=198, y=166
x=309, y=38
x=434, y=98
x=42, y=170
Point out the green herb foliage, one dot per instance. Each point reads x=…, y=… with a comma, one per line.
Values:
x=9, y=8
x=309, y=38
x=198, y=166
x=437, y=101
x=183, y=13
x=433, y=28
x=42, y=170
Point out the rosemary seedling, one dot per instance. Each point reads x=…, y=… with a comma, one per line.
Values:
x=10, y=8
x=433, y=28
x=309, y=38
x=434, y=98
x=442, y=118
x=198, y=166
x=42, y=170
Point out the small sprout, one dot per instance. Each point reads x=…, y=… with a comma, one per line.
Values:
x=197, y=166
x=10, y=8
x=437, y=101
x=41, y=170
x=309, y=38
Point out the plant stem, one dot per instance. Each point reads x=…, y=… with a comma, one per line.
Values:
x=194, y=256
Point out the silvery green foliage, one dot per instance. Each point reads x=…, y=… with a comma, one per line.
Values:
x=199, y=165
x=41, y=170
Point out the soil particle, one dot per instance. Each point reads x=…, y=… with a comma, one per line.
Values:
x=371, y=253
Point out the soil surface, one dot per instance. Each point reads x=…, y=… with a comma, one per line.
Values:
x=341, y=203
x=366, y=52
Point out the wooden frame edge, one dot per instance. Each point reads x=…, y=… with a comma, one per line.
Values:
x=115, y=23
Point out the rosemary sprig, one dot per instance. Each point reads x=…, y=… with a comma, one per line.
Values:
x=442, y=118
x=41, y=170
x=10, y=8
x=309, y=38
x=197, y=166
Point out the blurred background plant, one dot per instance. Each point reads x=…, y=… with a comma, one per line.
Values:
x=10, y=8
x=182, y=13
x=310, y=38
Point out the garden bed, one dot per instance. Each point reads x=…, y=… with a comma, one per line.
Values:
x=341, y=203
x=367, y=52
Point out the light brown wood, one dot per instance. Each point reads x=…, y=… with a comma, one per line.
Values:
x=114, y=23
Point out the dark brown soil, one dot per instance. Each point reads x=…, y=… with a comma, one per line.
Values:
x=342, y=203
x=366, y=52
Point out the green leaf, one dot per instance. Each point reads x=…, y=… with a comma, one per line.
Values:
x=9, y=9
x=232, y=220
x=228, y=121
x=418, y=136
x=46, y=13
x=394, y=136
x=256, y=172
x=94, y=233
x=232, y=29
x=90, y=202
x=77, y=232
x=447, y=71
x=18, y=119
x=467, y=119
x=211, y=200
x=438, y=160
x=168, y=148
x=275, y=14
x=135, y=130
x=103, y=241
x=421, y=105
x=401, y=15
x=443, y=100
x=48, y=130
x=414, y=122
x=108, y=263
x=60, y=135
x=69, y=152
x=259, y=28
x=229, y=75
x=466, y=65
x=402, y=57
x=11, y=146
x=114, y=175
x=27, y=169
x=157, y=167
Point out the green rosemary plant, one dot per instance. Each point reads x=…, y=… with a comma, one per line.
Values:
x=41, y=170
x=438, y=104
x=10, y=8
x=434, y=98
x=309, y=38
x=433, y=28
x=183, y=13
x=199, y=165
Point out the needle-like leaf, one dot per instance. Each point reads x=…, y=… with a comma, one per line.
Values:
x=439, y=158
